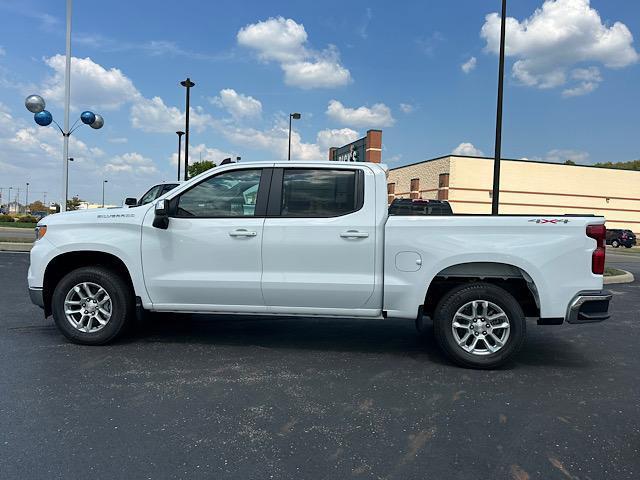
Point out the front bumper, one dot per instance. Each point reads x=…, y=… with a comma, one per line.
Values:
x=589, y=307
x=36, y=296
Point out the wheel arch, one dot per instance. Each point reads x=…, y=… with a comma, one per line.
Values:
x=64, y=263
x=512, y=278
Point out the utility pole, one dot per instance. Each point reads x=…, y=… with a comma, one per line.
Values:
x=26, y=201
x=495, y=201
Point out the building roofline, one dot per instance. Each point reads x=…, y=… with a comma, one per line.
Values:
x=512, y=160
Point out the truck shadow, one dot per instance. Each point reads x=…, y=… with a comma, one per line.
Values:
x=395, y=337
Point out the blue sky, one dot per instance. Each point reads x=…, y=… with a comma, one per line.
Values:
x=423, y=72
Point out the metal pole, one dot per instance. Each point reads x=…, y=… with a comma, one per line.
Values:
x=67, y=96
x=498, y=145
x=26, y=200
x=9, y=204
x=179, y=151
x=289, y=155
x=188, y=84
x=103, y=184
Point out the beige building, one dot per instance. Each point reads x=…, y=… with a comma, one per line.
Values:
x=525, y=187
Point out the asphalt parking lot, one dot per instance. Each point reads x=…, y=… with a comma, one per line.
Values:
x=219, y=397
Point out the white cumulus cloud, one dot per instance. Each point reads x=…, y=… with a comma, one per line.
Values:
x=283, y=40
x=132, y=162
x=335, y=137
x=378, y=115
x=467, y=149
x=238, y=104
x=469, y=65
x=93, y=86
x=153, y=115
x=557, y=37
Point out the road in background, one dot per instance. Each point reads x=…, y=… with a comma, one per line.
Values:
x=248, y=398
x=11, y=233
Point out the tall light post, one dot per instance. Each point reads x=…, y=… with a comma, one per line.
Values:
x=292, y=116
x=104, y=182
x=26, y=200
x=495, y=200
x=180, y=134
x=187, y=84
x=36, y=105
x=9, y=204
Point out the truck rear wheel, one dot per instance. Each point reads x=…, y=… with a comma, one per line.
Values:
x=92, y=305
x=479, y=325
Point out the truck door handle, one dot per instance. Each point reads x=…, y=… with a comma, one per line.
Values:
x=354, y=234
x=242, y=232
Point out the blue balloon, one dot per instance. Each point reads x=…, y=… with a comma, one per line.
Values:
x=88, y=117
x=43, y=118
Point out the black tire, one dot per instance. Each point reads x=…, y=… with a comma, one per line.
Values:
x=122, y=302
x=615, y=243
x=458, y=297
x=628, y=246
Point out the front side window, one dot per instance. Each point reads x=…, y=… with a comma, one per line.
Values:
x=318, y=193
x=151, y=195
x=229, y=194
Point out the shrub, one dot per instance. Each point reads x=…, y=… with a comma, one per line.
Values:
x=28, y=219
x=5, y=218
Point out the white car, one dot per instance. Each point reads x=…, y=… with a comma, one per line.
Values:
x=314, y=239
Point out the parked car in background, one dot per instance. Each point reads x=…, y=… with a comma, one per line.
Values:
x=617, y=237
x=151, y=194
x=406, y=206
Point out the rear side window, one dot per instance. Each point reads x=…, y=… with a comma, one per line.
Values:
x=320, y=192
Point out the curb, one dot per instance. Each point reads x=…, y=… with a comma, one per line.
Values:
x=15, y=247
x=626, y=277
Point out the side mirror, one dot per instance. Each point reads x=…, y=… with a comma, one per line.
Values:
x=161, y=211
x=131, y=202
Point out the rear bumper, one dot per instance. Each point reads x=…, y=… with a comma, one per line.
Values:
x=589, y=307
x=36, y=296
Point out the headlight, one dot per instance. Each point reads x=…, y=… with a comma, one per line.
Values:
x=41, y=230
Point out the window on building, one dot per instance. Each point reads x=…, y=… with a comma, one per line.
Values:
x=391, y=188
x=415, y=188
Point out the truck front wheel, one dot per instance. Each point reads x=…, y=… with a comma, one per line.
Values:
x=479, y=325
x=91, y=305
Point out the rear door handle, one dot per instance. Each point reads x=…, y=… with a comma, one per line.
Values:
x=354, y=234
x=242, y=232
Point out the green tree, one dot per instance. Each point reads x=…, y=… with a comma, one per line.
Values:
x=37, y=206
x=569, y=162
x=197, y=168
x=631, y=165
x=74, y=204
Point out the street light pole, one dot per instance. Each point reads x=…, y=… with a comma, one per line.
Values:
x=26, y=200
x=295, y=116
x=67, y=96
x=180, y=134
x=187, y=84
x=9, y=204
x=498, y=145
x=104, y=182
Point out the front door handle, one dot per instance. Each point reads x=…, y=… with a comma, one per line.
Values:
x=354, y=234
x=242, y=232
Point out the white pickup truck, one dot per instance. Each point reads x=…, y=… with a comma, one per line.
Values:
x=314, y=239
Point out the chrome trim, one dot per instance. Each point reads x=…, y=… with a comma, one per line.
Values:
x=582, y=298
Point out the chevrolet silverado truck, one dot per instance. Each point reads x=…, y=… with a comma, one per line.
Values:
x=315, y=239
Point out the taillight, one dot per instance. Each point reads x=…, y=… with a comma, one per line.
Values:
x=599, y=234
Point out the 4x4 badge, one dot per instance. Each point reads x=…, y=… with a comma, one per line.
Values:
x=549, y=220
